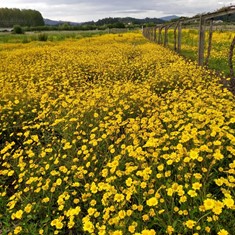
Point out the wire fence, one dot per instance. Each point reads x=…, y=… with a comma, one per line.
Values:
x=202, y=27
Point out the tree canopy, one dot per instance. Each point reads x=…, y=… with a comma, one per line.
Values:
x=26, y=17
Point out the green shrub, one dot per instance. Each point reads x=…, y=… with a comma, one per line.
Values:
x=42, y=37
x=17, y=29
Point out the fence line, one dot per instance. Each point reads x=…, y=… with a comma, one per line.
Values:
x=201, y=20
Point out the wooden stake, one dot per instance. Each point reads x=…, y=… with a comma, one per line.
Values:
x=175, y=36
x=201, y=41
x=160, y=35
x=179, y=36
x=209, y=43
x=154, y=34
x=230, y=58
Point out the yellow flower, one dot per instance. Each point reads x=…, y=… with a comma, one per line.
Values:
x=131, y=229
x=223, y=232
x=196, y=186
x=122, y=214
x=218, y=155
x=192, y=193
x=117, y=232
x=129, y=182
x=67, y=146
x=18, y=214
x=143, y=185
x=209, y=204
x=88, y=226
x=46, y=199
x=17, y=230
x=145, y=217
x=58, y=181
x=190, y=223
x=207, y=229
x=193, y=154
x=229, y=202
x=148, y=232
x=28, y=208
x=170, y=229
x=118, y=197
x=152, y=201
x=71, y=224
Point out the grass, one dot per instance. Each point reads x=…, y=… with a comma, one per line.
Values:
x=52, y=36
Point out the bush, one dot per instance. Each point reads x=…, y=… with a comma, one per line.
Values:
x=42, y=37
x=17, y=29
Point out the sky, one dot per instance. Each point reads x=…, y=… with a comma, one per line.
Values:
x=93, y=10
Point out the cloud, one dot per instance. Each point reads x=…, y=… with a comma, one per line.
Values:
x=85, y=10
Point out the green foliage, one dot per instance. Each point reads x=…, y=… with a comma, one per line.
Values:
x=17, y=29
x=11, y=17
x=42, y=37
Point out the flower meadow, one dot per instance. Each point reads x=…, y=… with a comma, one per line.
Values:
x=113, y=135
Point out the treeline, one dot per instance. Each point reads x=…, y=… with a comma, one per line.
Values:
x=127, y=22
x=227, y=18
x=13, y=16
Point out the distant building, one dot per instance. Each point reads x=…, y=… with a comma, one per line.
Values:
x=218, y=21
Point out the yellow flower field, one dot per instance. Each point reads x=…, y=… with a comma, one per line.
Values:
x=113, y=135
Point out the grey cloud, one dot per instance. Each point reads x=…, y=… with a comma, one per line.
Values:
x=84, y=10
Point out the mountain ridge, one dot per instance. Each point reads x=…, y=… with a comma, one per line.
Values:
x=126, y=20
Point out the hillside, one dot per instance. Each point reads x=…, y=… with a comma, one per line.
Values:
x=109, y=20
x=169, y=18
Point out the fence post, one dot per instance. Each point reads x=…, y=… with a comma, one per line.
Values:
x=165, y=37
x=209, y=42
x=230, y=58
x=175, y=36
x=201, y=41
x=154, y=33
x=160, y=35
x=179, y=36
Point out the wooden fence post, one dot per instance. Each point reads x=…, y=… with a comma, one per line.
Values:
x=209, y=42
x=175, y=36
x=154, y=33
x=160, y=35
x=230, y=58
x=147, y=33
x=179, y=36
x=201, y=41
x=165, y=37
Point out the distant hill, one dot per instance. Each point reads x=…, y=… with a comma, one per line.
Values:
x=169, y=18
x=129, y=20
x=106, y=21
x=58, y=22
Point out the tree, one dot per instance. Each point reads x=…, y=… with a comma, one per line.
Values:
x=13, y=16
